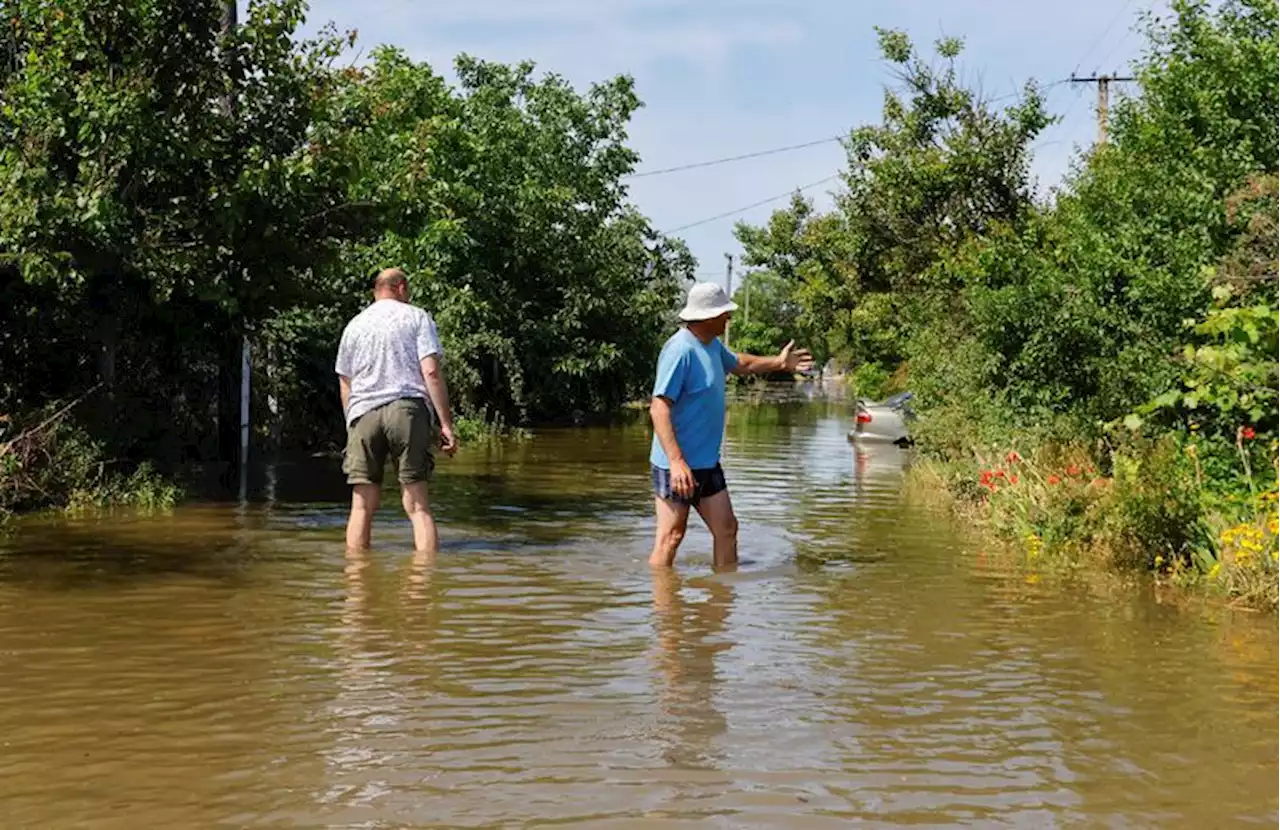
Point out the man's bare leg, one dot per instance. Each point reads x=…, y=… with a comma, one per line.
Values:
x=673, y=518
x=717, y=512
x=426, y=538
x=364, y=501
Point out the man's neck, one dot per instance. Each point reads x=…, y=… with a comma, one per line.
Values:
x=702, y=334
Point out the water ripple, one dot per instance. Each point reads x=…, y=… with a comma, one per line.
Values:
x=236, y=668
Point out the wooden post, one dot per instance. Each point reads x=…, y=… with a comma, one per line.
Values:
x=1104, y=98
x=728, y=287
x=239, y=453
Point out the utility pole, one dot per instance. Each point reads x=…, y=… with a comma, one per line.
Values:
x=728, y=287
x=1104, y=98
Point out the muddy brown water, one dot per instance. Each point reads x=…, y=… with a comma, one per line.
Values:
x=228, y=666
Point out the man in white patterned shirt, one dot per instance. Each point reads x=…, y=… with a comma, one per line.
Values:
x=396, y=404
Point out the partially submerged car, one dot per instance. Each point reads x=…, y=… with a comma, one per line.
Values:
x=883, y=422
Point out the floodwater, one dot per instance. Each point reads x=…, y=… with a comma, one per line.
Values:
x=229, y=666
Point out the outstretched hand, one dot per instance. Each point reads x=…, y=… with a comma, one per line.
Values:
x=795, y=360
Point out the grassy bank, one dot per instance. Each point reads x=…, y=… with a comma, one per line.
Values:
x=478, y=430
x=49, y=461
x=1187, y=511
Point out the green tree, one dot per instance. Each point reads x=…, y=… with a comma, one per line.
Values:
x=943, y=168
x=799, y=259
x=1081, y=308
x=160, y=197
x=551, y=288
x=1229, y=367
x=503, y=199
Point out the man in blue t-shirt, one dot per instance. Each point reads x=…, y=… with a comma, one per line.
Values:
x=688, y=423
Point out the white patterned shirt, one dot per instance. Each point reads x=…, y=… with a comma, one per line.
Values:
x=380, y=352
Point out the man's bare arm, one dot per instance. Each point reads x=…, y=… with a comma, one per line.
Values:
x=754, y=364
x=344, y=392
x=790, y=359
x=438, y=390
x=660, y=414
x=681, y=475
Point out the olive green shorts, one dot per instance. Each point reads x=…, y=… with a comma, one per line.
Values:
x=406, y=430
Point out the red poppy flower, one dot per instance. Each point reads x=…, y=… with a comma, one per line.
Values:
x=1248, y=434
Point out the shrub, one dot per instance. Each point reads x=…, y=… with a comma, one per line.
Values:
x=56, y=463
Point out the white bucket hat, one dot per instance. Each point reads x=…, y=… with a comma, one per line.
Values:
x=706, y=301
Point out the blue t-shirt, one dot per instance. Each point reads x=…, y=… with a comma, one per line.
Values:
x=692, y=374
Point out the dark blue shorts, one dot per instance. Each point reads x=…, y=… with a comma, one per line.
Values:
x=706, y=483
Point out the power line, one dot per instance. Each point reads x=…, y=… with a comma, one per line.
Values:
x=804, y=145
x=829, y=139
x=727, y=159
x=788, y=148
x=809, y=186
x=1097, y=41
x=745, y=208
x=1105, y=32
x=1044, y=88
x=1102, y=104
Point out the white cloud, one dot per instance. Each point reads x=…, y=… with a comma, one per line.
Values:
x=707, y=45
x=583, y=40
x=573, y=13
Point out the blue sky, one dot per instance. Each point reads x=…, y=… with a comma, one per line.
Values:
x=727, y=77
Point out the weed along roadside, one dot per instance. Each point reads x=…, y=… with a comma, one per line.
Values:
x=1183, y=485
x=1144, y=511
x=54, y=463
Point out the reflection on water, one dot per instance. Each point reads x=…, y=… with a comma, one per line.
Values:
x=689, y=636
x=235, y=667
